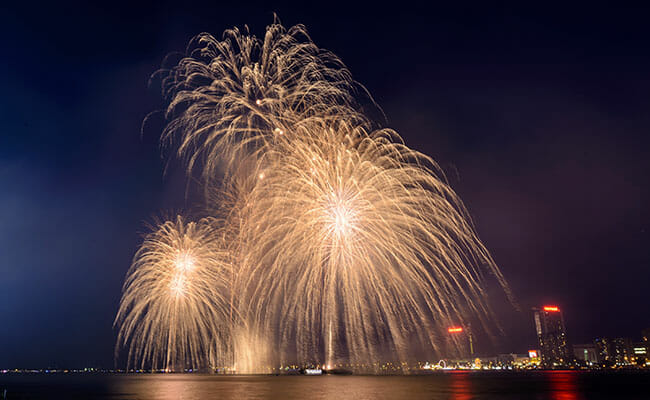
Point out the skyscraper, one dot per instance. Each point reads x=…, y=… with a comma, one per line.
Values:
x=551, y=335
x=604, y=351
x=622, y=351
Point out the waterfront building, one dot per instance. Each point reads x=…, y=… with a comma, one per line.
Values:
x=551, y=334
x=513, y=360
x=604, y=351
x=640, y=353
x=585, y=354
x=533, y=355
x=622, y=351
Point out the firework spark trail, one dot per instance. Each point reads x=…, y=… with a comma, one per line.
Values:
x=230, y=99
x=339, y=242
x=174, y=311
x=363, y=235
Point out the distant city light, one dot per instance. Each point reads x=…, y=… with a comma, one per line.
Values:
x=551, y=308
x=455, y=329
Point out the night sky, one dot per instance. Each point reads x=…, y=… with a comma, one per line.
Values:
x=539, y=117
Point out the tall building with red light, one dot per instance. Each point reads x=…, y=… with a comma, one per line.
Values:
x=551, y=334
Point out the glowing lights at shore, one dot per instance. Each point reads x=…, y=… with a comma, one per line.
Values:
x=551, y=308
x=328, y=237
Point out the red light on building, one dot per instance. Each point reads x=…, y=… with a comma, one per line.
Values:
x=455, y=329
x=551, y=308
x=532, y=353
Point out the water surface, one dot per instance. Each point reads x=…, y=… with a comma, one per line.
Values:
x=441, y=386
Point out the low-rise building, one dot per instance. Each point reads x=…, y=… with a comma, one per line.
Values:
x=585, y=354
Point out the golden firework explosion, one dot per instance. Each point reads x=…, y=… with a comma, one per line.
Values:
x=174, y=307
x=335, y=240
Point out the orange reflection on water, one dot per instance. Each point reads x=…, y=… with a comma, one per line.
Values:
x=460, y=386
x=563, y=385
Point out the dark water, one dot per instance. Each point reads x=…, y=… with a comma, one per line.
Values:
x=451, y=385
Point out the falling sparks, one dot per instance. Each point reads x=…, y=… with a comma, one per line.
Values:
x=343, y=243
x=175, y=302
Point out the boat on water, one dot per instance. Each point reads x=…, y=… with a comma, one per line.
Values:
x=313, y=371
x=338, y=371
x=323, y=371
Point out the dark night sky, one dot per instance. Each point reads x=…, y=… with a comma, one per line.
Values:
x=539, y=117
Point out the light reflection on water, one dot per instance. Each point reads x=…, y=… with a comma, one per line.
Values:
x=160, y=387
x=439, y=386
x=460, y=386
x=563, y=385
x=448, y=386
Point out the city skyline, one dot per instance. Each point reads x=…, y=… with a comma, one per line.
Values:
x=553, y=350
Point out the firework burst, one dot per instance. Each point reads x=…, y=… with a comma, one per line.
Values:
x=356, y=244
x=232, y=98
x=175, y=306
x=335, y=240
